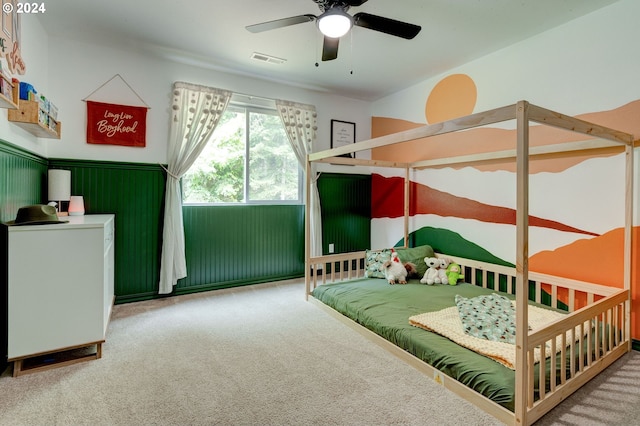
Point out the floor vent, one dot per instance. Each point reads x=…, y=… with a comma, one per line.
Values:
x=267, y=58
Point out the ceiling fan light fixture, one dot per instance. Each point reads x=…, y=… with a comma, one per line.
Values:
x=335, y=23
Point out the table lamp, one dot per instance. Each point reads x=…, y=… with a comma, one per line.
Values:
x=59, y=188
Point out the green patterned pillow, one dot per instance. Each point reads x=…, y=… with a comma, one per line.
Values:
x=491, y=317
x=374, y=260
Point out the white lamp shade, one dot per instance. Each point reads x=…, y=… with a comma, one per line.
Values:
x=334, y=23
x=76, y=206
x=59, y=185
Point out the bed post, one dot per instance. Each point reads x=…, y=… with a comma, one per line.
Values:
x=307, y=231
x=522, y=261
x=628, y=235
x=407, y=198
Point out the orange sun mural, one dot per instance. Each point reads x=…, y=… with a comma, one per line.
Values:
x=454, y=96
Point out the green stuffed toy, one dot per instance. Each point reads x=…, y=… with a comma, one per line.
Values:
x=454, y=273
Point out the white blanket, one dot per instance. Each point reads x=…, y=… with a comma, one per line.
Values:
x=447, y=323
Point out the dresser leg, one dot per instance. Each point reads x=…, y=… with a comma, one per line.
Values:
x=17, y=367
x=55, y=359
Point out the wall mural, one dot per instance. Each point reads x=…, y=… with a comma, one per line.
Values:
x=454, y=96
x=576, y=201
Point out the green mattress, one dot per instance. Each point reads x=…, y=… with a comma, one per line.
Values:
x=385, y=309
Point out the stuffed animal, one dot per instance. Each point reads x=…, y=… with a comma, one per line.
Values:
x=454, y=273
x=433, y=263
x=394, y=270
x=412, y=270
x=442, y=272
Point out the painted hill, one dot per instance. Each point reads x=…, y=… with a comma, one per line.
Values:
x=388, y=200
x=489, y=139
x=445, y=241
x=598, y=260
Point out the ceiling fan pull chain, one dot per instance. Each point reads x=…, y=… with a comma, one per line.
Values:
x=351, y=43
x=316, y=45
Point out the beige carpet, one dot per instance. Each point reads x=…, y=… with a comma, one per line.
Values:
x=261, y=355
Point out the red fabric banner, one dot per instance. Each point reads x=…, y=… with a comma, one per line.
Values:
x=116, y=124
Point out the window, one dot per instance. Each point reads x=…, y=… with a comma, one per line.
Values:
x=247, y=160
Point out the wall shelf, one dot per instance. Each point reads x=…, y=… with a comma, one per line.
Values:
x=7, y=94
x=28, y=115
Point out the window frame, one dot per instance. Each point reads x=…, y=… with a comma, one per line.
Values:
x=249, y=108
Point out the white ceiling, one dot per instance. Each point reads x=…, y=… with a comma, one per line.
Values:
x=211, y=33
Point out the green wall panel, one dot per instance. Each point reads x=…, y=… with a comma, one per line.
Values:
x=346, y=211
x=236, y=245
x=22, y=180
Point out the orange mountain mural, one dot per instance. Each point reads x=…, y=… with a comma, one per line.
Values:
x=489, y=139
x=598, y=260
x=388, y=200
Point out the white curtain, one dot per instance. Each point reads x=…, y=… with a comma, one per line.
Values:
x=300, y=122
x=195, y=112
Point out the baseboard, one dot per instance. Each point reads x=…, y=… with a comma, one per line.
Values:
x=205, y=287
x=635, y=344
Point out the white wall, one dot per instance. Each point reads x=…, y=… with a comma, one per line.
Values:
x=35, y=54
x=67, y=71
x=76, y=69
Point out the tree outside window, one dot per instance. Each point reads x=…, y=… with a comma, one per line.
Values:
x=247, y=160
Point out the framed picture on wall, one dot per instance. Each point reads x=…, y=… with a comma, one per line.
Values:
x=342, y=133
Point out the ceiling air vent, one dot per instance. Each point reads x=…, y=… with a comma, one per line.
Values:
x=267, y=58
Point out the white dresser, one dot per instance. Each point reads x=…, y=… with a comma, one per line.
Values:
x=60, y=282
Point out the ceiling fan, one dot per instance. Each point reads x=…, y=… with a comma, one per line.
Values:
x=334, y=22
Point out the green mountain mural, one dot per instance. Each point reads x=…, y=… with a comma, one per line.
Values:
x=452, y=243
x=449, y=242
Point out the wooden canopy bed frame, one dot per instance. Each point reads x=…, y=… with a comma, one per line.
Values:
x=607, y=308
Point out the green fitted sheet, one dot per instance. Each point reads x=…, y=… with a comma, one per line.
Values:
x=385, y=309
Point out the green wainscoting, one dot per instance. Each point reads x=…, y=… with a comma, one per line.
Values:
x=346, y=211
x=22, y=180
x=227, y=246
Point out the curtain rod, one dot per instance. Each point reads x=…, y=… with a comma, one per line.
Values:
x=254, y=96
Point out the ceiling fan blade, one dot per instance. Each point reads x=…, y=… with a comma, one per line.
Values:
x=330, y=48
x=386, y=25
x=328, y=4
x=279, y=23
